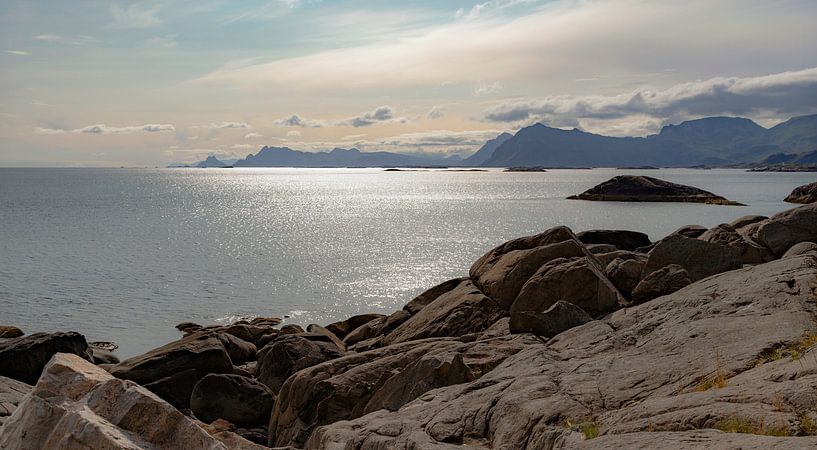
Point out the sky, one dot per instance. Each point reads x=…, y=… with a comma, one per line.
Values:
x=148, y=83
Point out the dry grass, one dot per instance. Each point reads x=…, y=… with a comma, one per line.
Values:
x=793, y=351
x=742, y=425
x=717, y=380
x=807, y=425
x=589, y=429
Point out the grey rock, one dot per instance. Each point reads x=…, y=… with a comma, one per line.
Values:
x=633, y=188
x=690, y=231
x=800, y=249
x=805, y=194
x=788, y=228
x=600, y=248
x=12, y=393
x=289, y=354
x=428, y=296
x=663, y=281
x=699, y=258
x=366, y=331
x=103, y=356
x=625, y=274
x=744, y=221
x=344, y=327
x=176, y=388
x=323, y=331
x=750, y=251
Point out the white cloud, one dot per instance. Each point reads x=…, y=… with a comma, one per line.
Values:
x=551, y=47
x=229, y=125
x=488, y=89
x=381, y=114
x=786, y=93
x=104, y=129
x=293, y=133
x=18, y=52
x=134, y=15
x=242, y=146
x=480, y=9
x=65, y=40
x=253, y=135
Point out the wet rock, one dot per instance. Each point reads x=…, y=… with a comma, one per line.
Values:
x=631, y=188
x=576, y=281
x=800, y=249
x=790, y=227
x=239, y=400
x=463, y=310
x=560, y=317
x=344, y=327
x=805, y=194
x=750, y=251
x=289, y=354
x=699, y=258
x=621, y=239
x=78, y=405
x=502, y=275
x=23, y=358
x=663, y=281
x=12, y=393
x=8, y=332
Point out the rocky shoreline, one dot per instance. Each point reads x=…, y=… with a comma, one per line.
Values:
x=601, y=339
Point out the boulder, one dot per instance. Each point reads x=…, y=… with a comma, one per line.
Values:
x=621, y=239
x=750, y=251
x=559, y=317
x=103, y=356
x=632, y=188
x=344, y=388
x=575, y=281
x=690, y=231
x=291, y=329
x=8, y=332
x=744, y=221
x=289, y=354
x=605, y=259
x=428, y=296
x=800, y=249
x=366, y=331
x=805, y=194
x=600, y=248
x=230, y=436
x=176, y=388
x=502, y=277
x=317, y=329
x=23, y=358
x=188, y=327
x=203, y=352
x=239, y=350
x=344, y=327
x=12, y=393
x=625, y=274
x=787, y=228
x=463, y=310
x=699, y=258
x=78, y=405
x=266, y=321
x=663, y=281
x=698, y=358
x=239, y=400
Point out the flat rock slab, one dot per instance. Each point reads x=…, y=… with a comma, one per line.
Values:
x=631, y=188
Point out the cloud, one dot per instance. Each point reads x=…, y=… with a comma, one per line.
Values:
x=381, y=114
x=17, y=52
x=134, y=15
x=480, y=9
x=436, y=112
x=293, y=133
x=242, y=146
x=488, y=89
x=229, y=125
x=354, y=137
x=162, y=42
x=104, y=129
x=65, y=40
x=785, y=93
x=253, y=135
x=558, y=42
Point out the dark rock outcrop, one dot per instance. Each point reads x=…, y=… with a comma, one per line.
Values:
x=621, y=239
x=699, y=258
x=239, y=400
x=625, y=274
x=176, y=388
x=9, y=332
x=428, y=296
x=690, y=231
x=805, y=194
x=23, y=358
x=344, y=327
x=559, y=317
x=289, y=354
x=631, y=188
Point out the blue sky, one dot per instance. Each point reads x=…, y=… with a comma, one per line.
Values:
x=152, y=82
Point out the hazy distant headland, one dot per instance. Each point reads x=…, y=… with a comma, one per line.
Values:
x=711, y=142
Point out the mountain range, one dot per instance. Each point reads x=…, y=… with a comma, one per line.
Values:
x=711, y=141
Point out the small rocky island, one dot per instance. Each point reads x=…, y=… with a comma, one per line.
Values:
x=804, y=194
x=632, y=188
x=705, y=338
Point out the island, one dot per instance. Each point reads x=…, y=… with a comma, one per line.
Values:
x=632, y=188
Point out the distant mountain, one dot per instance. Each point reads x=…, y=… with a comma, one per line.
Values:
x=339, y=157
x=710, y=141
x=804, y=159
x=486, y=151
x=212, y=161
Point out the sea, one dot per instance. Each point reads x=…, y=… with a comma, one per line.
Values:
x=124, y=255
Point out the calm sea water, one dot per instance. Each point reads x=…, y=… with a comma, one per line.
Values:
x=124, y=255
